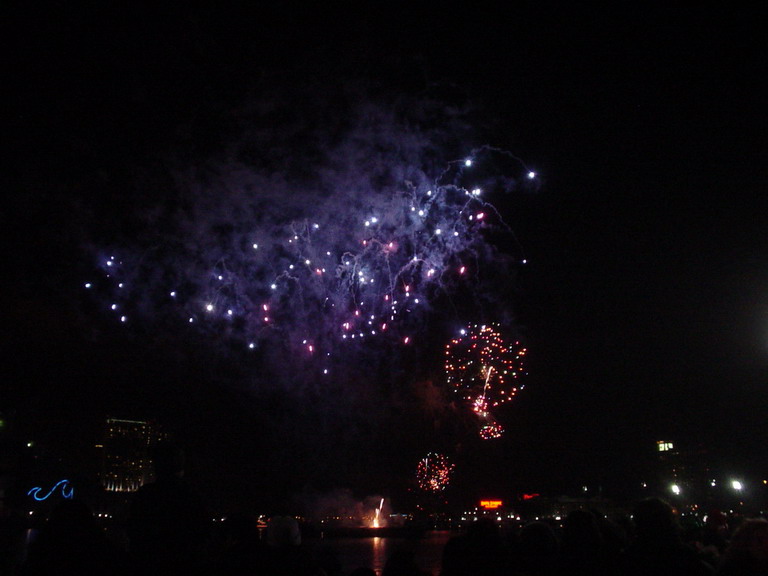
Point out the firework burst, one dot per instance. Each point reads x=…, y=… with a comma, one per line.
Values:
x=309, y=269
x=314, y=240
x=433, y=473
x=484, y=369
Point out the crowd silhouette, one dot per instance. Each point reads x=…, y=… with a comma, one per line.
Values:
x=168, y=531
x=652, y=543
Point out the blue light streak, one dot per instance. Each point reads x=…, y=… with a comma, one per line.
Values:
x=67, y=491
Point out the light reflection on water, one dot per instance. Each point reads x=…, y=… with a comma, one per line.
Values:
x=379, y=554
x=373, y=552
x=352, y=552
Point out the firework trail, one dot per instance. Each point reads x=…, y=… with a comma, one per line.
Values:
x=377, y=514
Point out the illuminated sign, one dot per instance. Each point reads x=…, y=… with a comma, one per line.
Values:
x=531, y=496
x=490, y=504
x=66, y=491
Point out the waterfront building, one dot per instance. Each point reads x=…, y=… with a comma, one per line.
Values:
x=126, y=464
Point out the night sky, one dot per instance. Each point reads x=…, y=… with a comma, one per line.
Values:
x=642, y=303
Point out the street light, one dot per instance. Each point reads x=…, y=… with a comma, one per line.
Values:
x=737, y=485
x=675, y=489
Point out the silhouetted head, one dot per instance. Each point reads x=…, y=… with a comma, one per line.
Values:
x=751, y=539
x=484, y=529
x=581, y=532
x=654, y=520
x=538, y=540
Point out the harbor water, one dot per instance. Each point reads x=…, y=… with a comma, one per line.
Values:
x=373, y=552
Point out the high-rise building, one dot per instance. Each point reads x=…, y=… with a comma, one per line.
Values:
x=683, y=474
x=126, y=464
